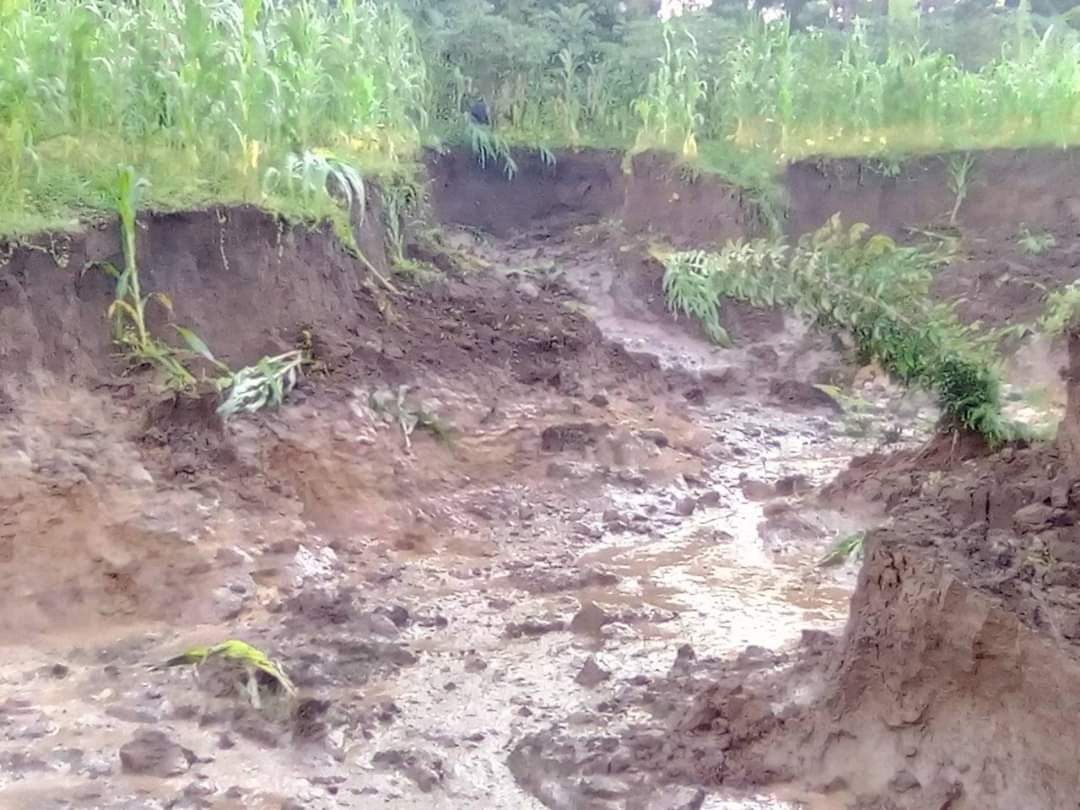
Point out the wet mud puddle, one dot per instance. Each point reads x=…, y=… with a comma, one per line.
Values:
x=525, y=599
x=722, y=560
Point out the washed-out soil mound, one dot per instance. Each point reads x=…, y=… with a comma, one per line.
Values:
x=244, y=280
x=954, y=684
x=957, y=675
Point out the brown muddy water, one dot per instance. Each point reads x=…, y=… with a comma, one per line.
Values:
x=435, y=604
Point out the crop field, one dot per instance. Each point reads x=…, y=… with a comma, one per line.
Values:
x=224, y=102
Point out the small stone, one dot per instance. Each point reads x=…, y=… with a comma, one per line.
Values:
x=184, y=464
x=152, y=753
x=612, y=516
x=227, y=604
x=398, y=614
x=657, y=437
x=96, y=768
x=792, y=485
x=676, y=797
x=133, y=714
x=685, y=506
x=684, y=657
x=425, y=770
x=231, y=556
x=709, y=500
x=382, y=625
x=756, y=490
x=200, y=789
x=534, y=627
x=592, y=674
x=569, y=471
x=604, y=787
x=590, y=620
x=475, y=663
x=1034, y=517
x=599, y=400
x=904, y=781
x=59, y=671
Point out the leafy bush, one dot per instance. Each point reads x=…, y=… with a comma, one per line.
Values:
x=868, y=286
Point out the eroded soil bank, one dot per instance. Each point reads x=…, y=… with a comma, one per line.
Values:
x=595, y=586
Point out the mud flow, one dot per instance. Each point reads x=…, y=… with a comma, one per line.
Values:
x=522, y=540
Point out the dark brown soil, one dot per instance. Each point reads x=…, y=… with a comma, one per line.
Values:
x=961, y=652
x=994, y=278
x=681, y=208
x=581, y=187
x=221, y=268
x=1005, y=190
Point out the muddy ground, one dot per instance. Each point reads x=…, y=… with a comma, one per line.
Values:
x=595, y=585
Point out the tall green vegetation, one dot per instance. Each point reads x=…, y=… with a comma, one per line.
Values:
x=711, y=83
x=207, y=98
x=868, y=286
x=252, y=100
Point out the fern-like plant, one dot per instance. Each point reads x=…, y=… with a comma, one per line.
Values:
x=868, y=286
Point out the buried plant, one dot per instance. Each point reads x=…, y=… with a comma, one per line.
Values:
x=246, y=663
x=394, y=407
x=848, y=547
x=868, y=286
x=265, y=384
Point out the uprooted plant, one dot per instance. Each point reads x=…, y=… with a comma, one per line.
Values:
x=878, y=291
x=848, y=547
x=248, y=390
x=242, y=666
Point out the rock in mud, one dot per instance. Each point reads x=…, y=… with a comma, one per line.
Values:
x=572, y=437
x=475, y=663
x=424, y=769
x=756, y=490
x=675, y=797
x=904, y=781
x=792, y=485
x=377, y=624
x=685, y=507
x=1036, y=516
x=802, y=396
x=590, y=620
x=592, y=674
x=657, y=437
x=570, y=471
x=535, y=627
x=613, y=517
x=709, y=500
x=153, y=753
